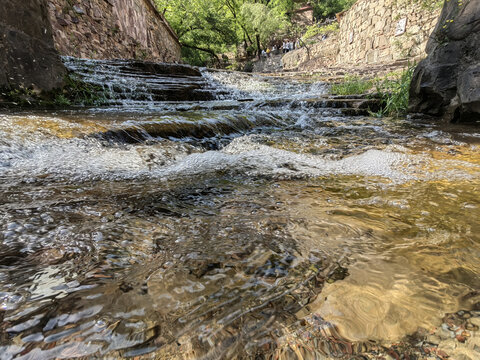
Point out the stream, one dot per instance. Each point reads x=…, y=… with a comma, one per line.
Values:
x=251, y=221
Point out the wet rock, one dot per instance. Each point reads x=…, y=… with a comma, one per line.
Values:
x=62, y=21
x=27, y=56
x=202, y=267
x=338, y=273
x=475, y=321
x=447, y=83
x=78, y=9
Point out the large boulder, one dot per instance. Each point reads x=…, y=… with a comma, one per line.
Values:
x=447, y=83
x=27, y=55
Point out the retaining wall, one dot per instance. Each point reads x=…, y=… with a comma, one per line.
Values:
x=371, y=32
x=112, y=29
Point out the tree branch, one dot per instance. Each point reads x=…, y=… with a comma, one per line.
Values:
x=209, y=51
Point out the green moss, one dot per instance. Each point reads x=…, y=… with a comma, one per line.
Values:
x=75, y=93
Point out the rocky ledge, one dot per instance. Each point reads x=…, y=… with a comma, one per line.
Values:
x=27, y=55
x=447, y=83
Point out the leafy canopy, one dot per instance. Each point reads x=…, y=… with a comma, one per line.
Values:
x=207, y=28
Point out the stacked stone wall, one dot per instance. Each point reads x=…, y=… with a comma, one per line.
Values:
x=384, y=31
x=371, y=32
x=112, y=29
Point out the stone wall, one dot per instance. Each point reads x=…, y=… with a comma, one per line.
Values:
x=372, y=32
x=383, y=31
x=316, y=54
x=112, y=29
x=27, y=56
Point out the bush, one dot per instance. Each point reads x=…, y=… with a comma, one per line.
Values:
x=78, y=92
x=324, y=9
x=248, y=66
x=315, y=30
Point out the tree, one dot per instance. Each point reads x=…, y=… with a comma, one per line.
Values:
x=209, y=27
x=324, y=9
x=262, y=21
x=204, y=27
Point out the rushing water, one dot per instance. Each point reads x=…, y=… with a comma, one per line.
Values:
x=249, y=226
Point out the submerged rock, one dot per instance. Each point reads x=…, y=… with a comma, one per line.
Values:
x=447, y=82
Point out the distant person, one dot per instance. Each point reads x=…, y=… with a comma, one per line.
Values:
x=264, y=54
x=274, y=49
x=290, y=46
x=297, y=44
x=268, y=52
x=284, y=47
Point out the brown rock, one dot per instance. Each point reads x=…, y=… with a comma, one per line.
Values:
x=62, y=21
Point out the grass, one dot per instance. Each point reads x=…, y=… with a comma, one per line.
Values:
x=393, y=90
x=352, y=85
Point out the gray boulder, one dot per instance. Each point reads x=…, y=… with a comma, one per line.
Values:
x=447, y=83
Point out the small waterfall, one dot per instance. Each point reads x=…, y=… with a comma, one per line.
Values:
x=140, y=83
x=132, y=82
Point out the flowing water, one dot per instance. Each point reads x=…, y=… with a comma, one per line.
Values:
x=251, y=225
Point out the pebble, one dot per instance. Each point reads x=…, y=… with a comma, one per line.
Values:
x=447, y=346
x=78, y=10
x=475, y=321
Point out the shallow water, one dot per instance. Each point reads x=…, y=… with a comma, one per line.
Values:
x=233, y=229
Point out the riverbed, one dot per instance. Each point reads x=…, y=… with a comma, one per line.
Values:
x=246, y=226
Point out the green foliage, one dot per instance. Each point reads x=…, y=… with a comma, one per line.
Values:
x=324, y=9
x=261, y=20
x=74, y=93
x=21, y=97
x=209, y=27
x=77, y=92
x=352, y=85
x=248, y=67
x=204, y=27
x=315, y=30
x=394, y=89
x=281, y=7
x=62, y=101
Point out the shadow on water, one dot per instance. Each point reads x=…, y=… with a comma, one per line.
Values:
x=236, y=229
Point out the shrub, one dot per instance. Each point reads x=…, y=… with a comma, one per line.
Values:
x=315, y=30
x=327, y=8
x=248, y=66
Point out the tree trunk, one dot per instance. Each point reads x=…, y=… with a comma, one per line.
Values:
x=259, y=51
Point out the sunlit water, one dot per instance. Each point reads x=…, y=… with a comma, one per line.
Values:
x=233, y=229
